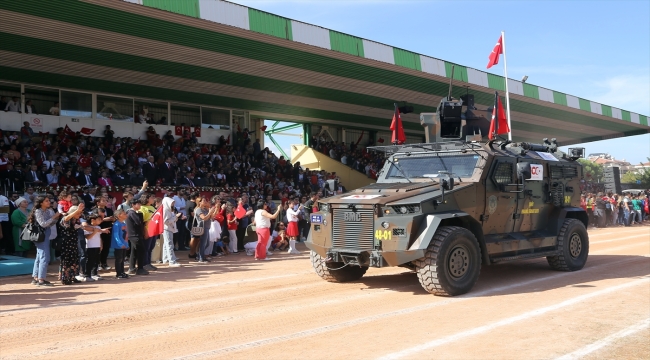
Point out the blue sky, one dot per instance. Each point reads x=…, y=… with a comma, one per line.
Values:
x=597, y=50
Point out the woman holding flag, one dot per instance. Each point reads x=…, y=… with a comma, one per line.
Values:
x=163, y=222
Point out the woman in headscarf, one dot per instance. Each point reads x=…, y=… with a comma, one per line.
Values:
x=19, y=221
x=169, y=220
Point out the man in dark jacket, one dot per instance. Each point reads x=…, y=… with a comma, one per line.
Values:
x=135, y=232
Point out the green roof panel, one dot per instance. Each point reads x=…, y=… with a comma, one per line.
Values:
x=531, y=91
x=460, y=71
x=407, y=59
x=559, y=98
x=584, y=104
x=607, y=110
x=625, y=115
x=346, y=43
x=643, y=120
x=185, y=7
x=269, y=24
x=496, y=82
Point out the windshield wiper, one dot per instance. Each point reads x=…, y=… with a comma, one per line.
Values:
x=399, y=169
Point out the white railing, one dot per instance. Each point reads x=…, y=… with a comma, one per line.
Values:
x=13, y=121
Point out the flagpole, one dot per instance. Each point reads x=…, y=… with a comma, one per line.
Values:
x=505, y=71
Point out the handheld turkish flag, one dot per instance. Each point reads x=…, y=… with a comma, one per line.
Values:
x=396, y=127
x=499, y=123
x=86, y=131
x=228, y=140
x=240, y=212
x=178, y=131
x=197, y=131
x=494, y=55
x=69, y=131
x=156, y=225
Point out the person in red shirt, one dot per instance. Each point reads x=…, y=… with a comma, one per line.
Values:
x=232, y=223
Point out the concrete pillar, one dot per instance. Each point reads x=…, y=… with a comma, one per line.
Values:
x=306, y=134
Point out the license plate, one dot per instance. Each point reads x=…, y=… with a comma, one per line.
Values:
x=317, y=219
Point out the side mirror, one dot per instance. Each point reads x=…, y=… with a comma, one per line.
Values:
x=446, y=181
x=523, y=170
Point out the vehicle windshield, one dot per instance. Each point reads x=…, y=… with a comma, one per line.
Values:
x=430, y=166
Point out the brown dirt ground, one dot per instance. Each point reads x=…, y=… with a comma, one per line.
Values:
x=237, y=308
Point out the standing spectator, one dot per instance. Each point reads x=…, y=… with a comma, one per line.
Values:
x=147, y=210
x=69, y=247
x=169, y=219
x=180, y=203
x=13, y=105
x=135, y=233
x=92, y=234
x=101, y=203
x=263, y=228
x=292, y=229
x=19, y=221
x=204, y=213
x=54, y=110
x=29, y=107
x=119, y=243
x=232, y=229
x=44, y=216
x=26, y=133
x=244, y=221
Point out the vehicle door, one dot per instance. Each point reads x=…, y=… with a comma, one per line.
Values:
x=530, y=201
x=500, y=197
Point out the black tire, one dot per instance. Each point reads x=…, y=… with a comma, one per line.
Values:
x=573, y=247
x=437, y=270
x=341, y=274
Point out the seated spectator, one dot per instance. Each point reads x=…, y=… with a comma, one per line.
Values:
x=54, y=110
x=29, y=107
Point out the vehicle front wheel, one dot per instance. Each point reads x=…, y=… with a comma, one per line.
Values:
x=335, y=271
x=452, y=262
x=573, y=247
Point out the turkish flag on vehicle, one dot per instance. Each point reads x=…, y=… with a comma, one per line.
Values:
x=494, y=55
x=178, y=130
x=86, y=131
x=499, y=123
x=397, y=128
x=156, y=224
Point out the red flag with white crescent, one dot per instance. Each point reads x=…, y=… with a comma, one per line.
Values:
x=494, y=55
x=397, y=128
x=499, y=122
x=156, y=225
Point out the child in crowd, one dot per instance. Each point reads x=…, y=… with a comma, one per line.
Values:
x=279, y=238
x=232, y=228
x=93, y=247
x=119, y=244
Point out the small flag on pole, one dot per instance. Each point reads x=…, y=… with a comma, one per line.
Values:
x=86, y=131
x=499, y=123
x=397, y=128
x=494, y=55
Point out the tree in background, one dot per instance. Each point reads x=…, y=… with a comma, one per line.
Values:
x=640, y=177
x=592, y=172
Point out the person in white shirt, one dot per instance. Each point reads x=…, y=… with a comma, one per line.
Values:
x=93, y=248
x=54, y=110
x=292, y=229
x=344, y=159
x=263, y=228
x=110, y=162
x=13, y=105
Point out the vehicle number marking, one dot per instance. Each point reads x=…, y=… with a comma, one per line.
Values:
x=530, y=211
x=317, y=219
x=567, y=199
x=383, y=234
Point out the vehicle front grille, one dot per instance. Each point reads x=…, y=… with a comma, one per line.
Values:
x=347, y=233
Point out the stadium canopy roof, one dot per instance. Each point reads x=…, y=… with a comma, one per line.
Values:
x=217, y=53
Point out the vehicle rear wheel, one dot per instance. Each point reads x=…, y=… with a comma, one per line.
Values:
x=573, y=246
x=335, y=271
x=452, y=262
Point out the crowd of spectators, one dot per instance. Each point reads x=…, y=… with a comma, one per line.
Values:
x=352, y=155
x=609, y=209
x=53, y=173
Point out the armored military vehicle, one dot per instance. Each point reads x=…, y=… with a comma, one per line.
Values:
x=447, y=206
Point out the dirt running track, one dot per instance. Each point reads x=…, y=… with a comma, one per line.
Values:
x=237, y=308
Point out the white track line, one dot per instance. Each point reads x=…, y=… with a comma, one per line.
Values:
x=643, y=325
x=619, y=239
x=410, y=352
x=364, y=320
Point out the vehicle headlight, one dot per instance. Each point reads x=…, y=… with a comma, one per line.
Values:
x=323, y=207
